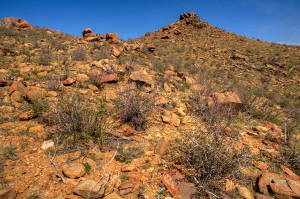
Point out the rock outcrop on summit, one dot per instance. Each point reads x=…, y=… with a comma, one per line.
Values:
x=16, y=23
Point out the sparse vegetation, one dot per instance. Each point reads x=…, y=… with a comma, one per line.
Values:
x=78, y=119
x=134, y=108
x=210, y=142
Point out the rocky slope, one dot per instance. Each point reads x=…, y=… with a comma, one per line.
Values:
x=188, y=111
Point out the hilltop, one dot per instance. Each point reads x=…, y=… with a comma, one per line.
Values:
x=187, y=111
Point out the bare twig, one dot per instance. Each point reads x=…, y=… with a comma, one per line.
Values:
x=63, y=162
x=58, y=175
x=103, y=174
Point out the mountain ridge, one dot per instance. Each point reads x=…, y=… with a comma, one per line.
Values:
x=187, y=106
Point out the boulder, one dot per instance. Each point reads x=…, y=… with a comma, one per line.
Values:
x=178, y=185
x=111, y=37
x=88, y=35
x=86, y=31
x=142, y=77
x=17, y=86
x=33, y=93
x=110, y=78
x=228, y=102
x=69, y=81
x=25, y=116
x=84, y=188
x=128, y=187
x=283, y=186
x=74, y=170
x=16, y=23
x=17, y=96
x=115, y=52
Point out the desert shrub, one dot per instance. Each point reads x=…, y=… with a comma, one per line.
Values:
x=54, y=83
x=98, y=51
x=291, y=155
x=39, y=106
x=134, y=108
x=210, y=157
x=79, y=54
x=158, y=66
x=45, y=56
x=96, y=80
x=77, y=119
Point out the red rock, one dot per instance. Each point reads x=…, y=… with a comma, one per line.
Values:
x=26, y=116
x=273, y=127
x=110, y=78
x=281, y=185
x=178, y=185
x=288, y=171
x=134, y=177
x=111, y=37
x=69, y=81
x=129, y=132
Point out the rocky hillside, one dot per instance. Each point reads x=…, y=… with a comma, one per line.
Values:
x=188, y=111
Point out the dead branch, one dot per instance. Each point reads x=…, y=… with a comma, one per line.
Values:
x=56, y=174
x=63, y=162
x=103, y=175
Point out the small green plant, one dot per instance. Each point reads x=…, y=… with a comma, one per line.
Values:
x=39, y=107
x=10, y=153
x=126, y=155
x=87, y=166
x=124, y=177
x=161, y=193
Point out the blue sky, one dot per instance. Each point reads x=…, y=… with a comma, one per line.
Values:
x=275, y=21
